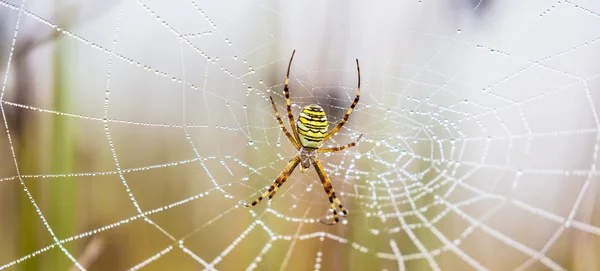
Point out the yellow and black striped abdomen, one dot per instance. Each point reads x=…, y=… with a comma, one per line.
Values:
x=312, y=126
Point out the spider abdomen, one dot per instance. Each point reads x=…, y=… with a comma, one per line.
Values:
x=312, y=126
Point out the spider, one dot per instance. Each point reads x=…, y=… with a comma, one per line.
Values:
x=310, y=131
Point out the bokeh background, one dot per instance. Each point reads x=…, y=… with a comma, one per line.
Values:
x=132, y=129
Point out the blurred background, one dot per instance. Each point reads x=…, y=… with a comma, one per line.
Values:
x=131, y=130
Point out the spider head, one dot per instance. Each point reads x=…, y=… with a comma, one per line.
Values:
x=304, y=167
x=307, y=156
x=305, y=160
x=312, y=126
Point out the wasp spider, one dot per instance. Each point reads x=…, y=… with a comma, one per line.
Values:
x=309, y=133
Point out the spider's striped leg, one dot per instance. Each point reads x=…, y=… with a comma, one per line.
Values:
x=330, y=192
x=349, y=109
x=275, y=190
x=286, y=91
x=279, y=184
x=340, y=147
x=280, y=179
x=285, y=131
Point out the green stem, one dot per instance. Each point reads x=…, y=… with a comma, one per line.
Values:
x=63, y=191
x=28, y=220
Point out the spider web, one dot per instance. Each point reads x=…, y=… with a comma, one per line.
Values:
x=480, y=141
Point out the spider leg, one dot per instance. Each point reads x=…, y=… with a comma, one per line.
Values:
x=330, y=192
x=330, y=134
x=280, y=179
x=286, y=91
x=279, y=184
x=285, y=131
x=352, y=144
